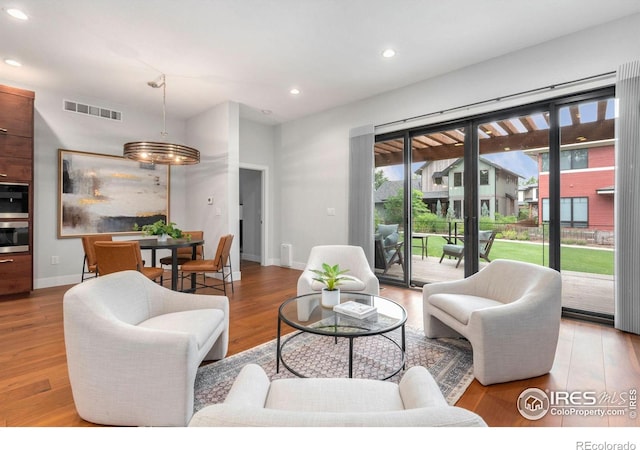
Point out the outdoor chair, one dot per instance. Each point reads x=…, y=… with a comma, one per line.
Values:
x=388, y=247
x=485, y=239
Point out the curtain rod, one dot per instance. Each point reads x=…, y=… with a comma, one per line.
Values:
x=497, y=99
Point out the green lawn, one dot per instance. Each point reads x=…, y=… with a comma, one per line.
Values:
x=576, y=259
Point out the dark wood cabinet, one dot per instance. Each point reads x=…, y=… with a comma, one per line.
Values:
x=16, y=166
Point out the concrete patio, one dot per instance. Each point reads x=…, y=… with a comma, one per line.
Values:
x=581, y=291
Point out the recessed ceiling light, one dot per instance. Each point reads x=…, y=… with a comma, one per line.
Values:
x=294, y=91
x=13, y=12
x=13, y=62
x=266, y=112
x=389, y=53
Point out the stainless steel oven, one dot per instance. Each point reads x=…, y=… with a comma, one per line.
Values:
x=14, y=237
x=14, y=200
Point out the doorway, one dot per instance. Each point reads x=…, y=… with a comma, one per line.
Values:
x=252, y=213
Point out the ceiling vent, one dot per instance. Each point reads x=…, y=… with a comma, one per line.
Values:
x=90, y=110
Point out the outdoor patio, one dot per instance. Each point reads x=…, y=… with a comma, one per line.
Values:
x=581, y=291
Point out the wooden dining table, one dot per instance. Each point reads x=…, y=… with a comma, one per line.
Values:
x=173, y=245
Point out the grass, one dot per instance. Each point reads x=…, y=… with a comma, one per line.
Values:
x=575, y=259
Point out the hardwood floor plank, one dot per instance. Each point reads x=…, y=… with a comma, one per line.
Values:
x=35, y=389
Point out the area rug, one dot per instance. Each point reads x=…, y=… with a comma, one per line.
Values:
x=450, y=361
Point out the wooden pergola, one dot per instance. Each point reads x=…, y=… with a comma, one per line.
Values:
x=517, y=133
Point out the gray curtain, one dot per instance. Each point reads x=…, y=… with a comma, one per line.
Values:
x=627, y=199
x=361, y=172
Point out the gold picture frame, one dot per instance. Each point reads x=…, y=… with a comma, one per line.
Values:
x=105, y=194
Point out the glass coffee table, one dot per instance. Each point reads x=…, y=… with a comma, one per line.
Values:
x=306, y=314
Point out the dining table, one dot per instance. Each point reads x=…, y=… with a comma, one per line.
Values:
x=173, y=245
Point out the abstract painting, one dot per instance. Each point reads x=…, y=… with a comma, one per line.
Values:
x=109, y=194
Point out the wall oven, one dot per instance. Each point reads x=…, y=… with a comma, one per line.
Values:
x=14, y=200
x=14, y=237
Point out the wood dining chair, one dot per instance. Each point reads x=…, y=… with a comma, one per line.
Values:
x=116, y=256
x=219, y=266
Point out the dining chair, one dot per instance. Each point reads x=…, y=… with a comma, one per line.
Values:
x=186, y=254
x=116, y=256
x=220, y=265
x=89, y=264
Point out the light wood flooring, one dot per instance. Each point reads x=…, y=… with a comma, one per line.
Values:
x=35, y=391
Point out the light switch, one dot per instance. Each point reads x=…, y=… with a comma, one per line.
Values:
x=331, y=211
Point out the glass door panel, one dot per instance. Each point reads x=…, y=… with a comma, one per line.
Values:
x=587, y=190
x=389, y=209
x=437, y=206
x=509, y=182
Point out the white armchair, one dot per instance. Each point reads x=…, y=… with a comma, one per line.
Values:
x=133, y=348
x=510, y=313
x=348, y=257
x=254, y=401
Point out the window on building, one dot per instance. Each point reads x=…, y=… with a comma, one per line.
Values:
x=574, y=211
x=457, y=179
x=569, y=160
x=457, y=208
x=484, y=177
x=485, y=210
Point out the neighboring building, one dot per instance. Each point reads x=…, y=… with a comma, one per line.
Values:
x=528, y=200
x=586, y=185
x=435, y=184
x=497, y=188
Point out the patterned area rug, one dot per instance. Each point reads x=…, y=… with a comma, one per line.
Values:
x=450, y=361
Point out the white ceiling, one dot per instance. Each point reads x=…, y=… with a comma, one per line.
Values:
x=254, y=51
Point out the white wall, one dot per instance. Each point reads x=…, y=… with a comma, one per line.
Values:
x=55, y=129
x=216, y=134
x=313, y=153
x=257, y=152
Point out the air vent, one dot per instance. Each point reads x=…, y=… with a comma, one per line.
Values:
x=90, y=110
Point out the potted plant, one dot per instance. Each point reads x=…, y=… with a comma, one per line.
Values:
x=161, y=229
x=331, y=277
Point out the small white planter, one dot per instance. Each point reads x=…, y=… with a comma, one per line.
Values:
x=163, y=237
x=330, y=298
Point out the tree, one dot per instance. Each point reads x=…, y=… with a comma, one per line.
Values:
x=380, y=178
x=394, y=206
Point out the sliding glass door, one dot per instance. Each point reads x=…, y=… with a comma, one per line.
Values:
x=437, y=206
x=533, y=183
x=587, y=190
x=390, y=208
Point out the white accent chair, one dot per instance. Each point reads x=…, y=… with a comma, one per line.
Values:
x=133, y=348
x=348, y=257
x=254, y=401
x=510, y=313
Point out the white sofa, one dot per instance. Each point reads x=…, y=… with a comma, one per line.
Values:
x=348, y=257
x=254, y=401
x=133, y=348
x=510, y=313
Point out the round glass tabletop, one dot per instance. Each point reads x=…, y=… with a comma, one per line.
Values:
x=306, y=313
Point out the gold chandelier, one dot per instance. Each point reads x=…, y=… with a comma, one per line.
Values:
x=161, y=152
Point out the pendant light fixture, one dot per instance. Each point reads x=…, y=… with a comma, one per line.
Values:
x=161, y=152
